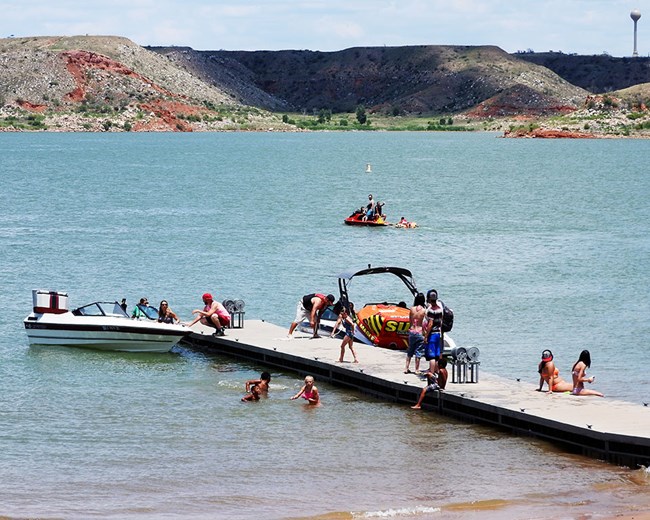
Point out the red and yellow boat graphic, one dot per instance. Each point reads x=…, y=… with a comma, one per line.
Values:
x=386, y=326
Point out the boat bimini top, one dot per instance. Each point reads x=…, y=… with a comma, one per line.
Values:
x=403, y=274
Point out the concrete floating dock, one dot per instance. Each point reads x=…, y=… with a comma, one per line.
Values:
x=602, y=428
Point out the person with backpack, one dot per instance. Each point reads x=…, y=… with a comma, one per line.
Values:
x=432, y=330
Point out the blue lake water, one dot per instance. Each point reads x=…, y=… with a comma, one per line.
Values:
x=534, y=244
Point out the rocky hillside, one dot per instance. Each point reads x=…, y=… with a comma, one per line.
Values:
x=105, y=83
x=110, y=83
x=599, y=74
x=421, y=80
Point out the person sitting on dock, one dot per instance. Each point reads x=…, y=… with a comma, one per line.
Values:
x=309, y=392
x=214, y=315
x=550, y=375
x=311, y=307
x=434, y=382
x=580, y=377
x=256, y=387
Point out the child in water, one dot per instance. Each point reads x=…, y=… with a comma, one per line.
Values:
x=256, y=387
x=308, y=392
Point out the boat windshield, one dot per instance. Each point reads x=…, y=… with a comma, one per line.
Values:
x=101, y=309
x=149, y=311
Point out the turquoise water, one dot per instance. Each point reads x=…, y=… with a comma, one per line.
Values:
x=534, y=244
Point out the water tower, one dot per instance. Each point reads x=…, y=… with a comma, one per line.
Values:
x=635, y=15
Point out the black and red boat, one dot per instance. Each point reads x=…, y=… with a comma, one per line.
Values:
x=358, y=218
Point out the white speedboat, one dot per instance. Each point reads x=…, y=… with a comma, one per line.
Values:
x=98, y=325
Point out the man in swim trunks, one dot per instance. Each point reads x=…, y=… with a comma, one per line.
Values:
x=433, y=330
x=311, y=307
x=416, y=340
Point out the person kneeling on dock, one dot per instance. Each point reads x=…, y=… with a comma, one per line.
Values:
x=434, y=382
x=256, y=387
x=214, y=314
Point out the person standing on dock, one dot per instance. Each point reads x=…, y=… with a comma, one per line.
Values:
x=348, y=326
x=214, y=315
x=433, y=330
x=416, y=340
x=311, y=307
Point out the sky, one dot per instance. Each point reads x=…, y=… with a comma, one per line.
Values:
x=569, y=26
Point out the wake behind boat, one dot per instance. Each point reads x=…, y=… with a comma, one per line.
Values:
x=98, y=325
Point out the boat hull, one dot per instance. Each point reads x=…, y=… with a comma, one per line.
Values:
x=357, y=220
x=112, y=334
x=387, y=326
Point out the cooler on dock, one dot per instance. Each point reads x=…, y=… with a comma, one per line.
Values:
x=54, y=302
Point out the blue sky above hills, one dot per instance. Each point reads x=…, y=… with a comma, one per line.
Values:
x=570, y=26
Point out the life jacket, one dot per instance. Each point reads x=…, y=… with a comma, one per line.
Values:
x=307, y=298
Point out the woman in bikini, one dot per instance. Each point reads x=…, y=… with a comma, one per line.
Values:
x=580, y=377
x=308, y=392
x=550, y=375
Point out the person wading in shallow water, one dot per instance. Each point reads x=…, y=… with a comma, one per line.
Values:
x=309, y=392
x=257, y=387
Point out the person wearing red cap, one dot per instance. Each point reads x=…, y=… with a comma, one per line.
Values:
x=550, y=375
x=214, y=314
